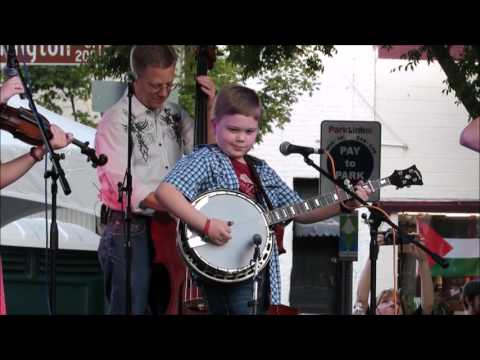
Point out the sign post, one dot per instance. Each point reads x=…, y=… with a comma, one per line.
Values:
x=355, y=146
x=348, y=242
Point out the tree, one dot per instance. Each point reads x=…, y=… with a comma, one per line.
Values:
x=462, y=73
x=54, y=84
x=284, y=73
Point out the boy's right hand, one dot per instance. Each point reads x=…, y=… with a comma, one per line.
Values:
x=219, y=232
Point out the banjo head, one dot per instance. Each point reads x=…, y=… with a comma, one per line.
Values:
x=231, y=262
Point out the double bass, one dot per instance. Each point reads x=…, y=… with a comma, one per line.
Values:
x=182, y=296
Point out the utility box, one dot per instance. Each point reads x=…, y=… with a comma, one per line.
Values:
x=79, y=282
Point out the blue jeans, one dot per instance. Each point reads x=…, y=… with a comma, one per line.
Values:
x=234, y=299
x=111, y=254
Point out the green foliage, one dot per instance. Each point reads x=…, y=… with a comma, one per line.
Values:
x=462, y=74
x=52, y=85
x=112, y=63
x=283, y=73
x=222, y=73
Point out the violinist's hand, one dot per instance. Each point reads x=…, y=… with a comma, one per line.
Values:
x=11, y=87
x=60, y=139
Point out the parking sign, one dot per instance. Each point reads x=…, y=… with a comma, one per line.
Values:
x=355, y=146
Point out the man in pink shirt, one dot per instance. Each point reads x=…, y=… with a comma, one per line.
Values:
x=162, y=132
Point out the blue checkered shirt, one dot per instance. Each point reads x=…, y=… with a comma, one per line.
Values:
x=209, y=168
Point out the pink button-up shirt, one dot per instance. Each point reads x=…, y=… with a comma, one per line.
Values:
x=160, y=138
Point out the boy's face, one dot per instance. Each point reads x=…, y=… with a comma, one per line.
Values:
x=236, y=134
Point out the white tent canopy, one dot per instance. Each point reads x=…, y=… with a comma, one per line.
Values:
x=31, y=233
x=80, y=175
x=27, y=195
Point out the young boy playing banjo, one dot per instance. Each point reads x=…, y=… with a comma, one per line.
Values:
x=227, y=167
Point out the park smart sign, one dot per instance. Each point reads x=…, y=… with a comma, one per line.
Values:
x=355, y=146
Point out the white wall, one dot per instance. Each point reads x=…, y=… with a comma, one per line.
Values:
x=420, y=125
x=430, y=124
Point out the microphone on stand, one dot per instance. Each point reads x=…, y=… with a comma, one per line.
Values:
x=10, y=69
x=257, y=239
x=286, y=149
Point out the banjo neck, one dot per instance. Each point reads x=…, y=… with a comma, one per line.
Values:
x=289, y=212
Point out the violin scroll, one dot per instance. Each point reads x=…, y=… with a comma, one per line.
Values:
x=90, y=153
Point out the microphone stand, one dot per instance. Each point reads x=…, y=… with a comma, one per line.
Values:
x=373, y=222
x=376, y=218
x=55, y=173
x=257, y=240
x=128, y=211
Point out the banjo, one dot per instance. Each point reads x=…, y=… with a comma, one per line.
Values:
x=232, y=262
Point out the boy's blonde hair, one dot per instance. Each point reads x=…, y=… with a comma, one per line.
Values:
x=238, y=99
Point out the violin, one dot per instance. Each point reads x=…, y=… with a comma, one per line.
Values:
x=22, y=125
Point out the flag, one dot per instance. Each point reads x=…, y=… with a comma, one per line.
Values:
x=462, y=254
x=433, y=241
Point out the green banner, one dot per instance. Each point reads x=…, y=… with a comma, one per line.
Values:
x=458, y=268
x=348, y=244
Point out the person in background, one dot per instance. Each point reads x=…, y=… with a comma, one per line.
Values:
x=386, y=300
x=471, y=297
x=14, y=169
x=162, y=132
x=470, y=136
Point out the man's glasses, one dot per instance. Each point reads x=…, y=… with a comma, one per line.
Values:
x=160, y=87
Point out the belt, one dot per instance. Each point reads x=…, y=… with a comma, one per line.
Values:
x=107, y=213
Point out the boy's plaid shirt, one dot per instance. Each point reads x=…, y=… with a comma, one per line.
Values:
x=209, y=168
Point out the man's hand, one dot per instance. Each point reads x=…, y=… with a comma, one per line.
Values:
x=207, y=85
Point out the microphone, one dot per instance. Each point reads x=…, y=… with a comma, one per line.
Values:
x=286, y=149
x=130, y=79
x=257, y=240
x=10, y=69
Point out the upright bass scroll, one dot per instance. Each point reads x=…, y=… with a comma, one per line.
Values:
x=206, y=57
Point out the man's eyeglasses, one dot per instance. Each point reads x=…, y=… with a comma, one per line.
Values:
x=160, y=87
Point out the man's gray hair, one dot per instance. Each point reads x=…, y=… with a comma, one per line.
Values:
x=141, y=56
